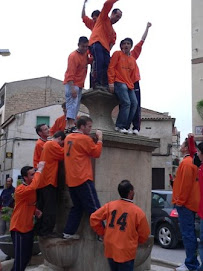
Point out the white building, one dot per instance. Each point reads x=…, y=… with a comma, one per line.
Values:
x=19, y=137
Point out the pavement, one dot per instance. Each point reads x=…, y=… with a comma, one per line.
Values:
x=38, y=265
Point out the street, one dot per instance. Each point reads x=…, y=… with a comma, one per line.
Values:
x=175, y=255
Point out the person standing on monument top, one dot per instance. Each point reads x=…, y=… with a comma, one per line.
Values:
x=74, y=81
x=101, y=41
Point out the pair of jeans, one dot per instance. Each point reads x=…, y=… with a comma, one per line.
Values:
x=23, y=243
x=126, y=266
x=46, y=202
x=137, y=118
x=84, y=198
x=127, y=105
x=187, y=227
x=72, y=104
x=201, y=245
x=101, y=63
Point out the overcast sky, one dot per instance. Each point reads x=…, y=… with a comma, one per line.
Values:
x=41, y=34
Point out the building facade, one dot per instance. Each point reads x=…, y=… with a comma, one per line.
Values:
x=165, y=159
x=197, y=67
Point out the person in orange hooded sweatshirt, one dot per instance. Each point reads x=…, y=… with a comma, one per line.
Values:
x=126, y=227
x=102, y=40
x=21, y=226
x=120, y=75
x=186, y=197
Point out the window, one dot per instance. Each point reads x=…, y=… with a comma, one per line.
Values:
x=2, y=101
x=43, y=119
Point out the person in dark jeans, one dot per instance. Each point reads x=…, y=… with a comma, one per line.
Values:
x=79, y=148
x=21, y=226
x=52, y=153
x=102, y=40
x=186, y=197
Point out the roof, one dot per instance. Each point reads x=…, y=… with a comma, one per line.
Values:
x=151, y=114
x=28, y=80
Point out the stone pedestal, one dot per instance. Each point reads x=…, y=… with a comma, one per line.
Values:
x=123, y=157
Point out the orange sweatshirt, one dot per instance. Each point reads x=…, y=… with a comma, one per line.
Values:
x=136, y=53
x=78, y=151
x=77, y=69
x=186, y=186
x=59, y=125
x=88, y=22
x=121, y=69
x=37, y=152
x=126, y=227
x=52, y=153
x=103, y=31
x=25, y=201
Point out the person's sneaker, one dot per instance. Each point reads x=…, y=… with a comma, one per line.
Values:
x=130, y=132
x=71, y=236
x=135, y=132
x=183, y=267
x=116, y=129
x=73, y=129
x=123, y=131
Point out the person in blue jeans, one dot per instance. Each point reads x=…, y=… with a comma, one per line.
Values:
x=121, y=72
x=186, y=195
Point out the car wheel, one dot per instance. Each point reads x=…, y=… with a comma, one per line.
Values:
x=166, y=236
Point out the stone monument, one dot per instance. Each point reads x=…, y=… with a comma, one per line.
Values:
x=123, y=157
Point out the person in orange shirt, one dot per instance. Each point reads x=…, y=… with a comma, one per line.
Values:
x=126, y=227
x=186, y=197
x=60, y=123
x=43, y=131
x=52, y=153
x=102, y=40
x=79, y=148
x=74, y=81
x=120, y=74
x=21, y=226
x=135, y=53
x=90, y=23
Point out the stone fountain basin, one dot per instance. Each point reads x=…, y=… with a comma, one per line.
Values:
x=65, y=253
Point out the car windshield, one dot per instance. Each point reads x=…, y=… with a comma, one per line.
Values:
x=161, y=200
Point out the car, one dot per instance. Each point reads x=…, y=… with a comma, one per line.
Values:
x=164, y=220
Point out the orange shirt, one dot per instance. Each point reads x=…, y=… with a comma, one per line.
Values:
x=77, y=69
x=52, y=153
x=186, y=186
x=78, y=150
x=126, y=227
x=59, y=125
x=88, y=22
x=37, y=152
x=121, y=69
x=135, y=53
x=103, y=31
x=25, y=201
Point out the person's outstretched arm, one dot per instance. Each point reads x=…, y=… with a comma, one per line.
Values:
x=146, y=31
x=83, y=10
